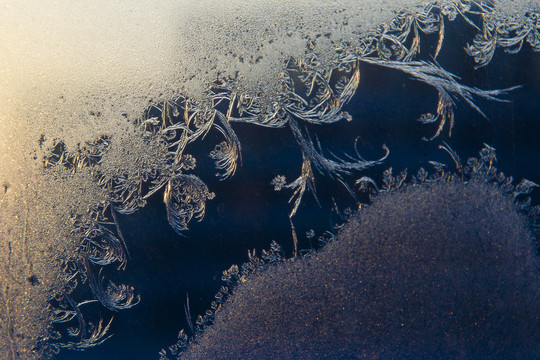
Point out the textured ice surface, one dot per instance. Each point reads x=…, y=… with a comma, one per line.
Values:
x=440, y=269
x=78, y=146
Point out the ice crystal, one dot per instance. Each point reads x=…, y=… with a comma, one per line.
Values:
x=185, y=197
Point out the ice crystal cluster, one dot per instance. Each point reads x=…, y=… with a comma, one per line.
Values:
x=101, y=103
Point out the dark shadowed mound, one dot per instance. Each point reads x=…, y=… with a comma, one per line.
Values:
x=438, y=270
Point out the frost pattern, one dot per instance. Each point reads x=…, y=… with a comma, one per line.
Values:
x=101, y=244
x=87, y=335
x=312, y=94
x=480, y=169
x=509, y=35
x=231, y=278
x=185, y=197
